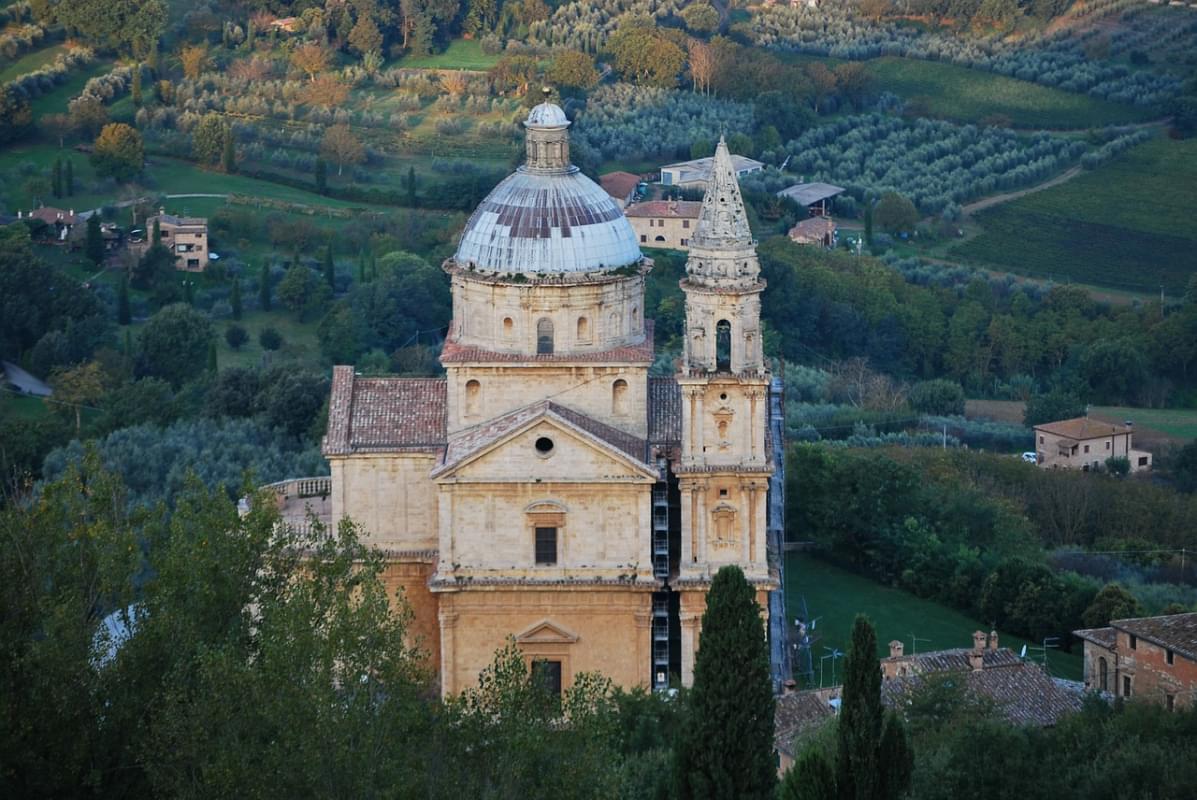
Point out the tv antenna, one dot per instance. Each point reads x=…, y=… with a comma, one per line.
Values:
x=914, y=643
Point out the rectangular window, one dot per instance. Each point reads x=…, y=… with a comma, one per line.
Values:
x=193, y=262
x=685, y=223
x=1170, y=701
x=546, y=545
x=1126, y=686
x=547, y=674
x=1134, y=642
x=685, y=242
x=1168, y=655
x=643, y=237
x=1040, y=440
x=1086, y=448
x=1107, y=445
x=1142, y=461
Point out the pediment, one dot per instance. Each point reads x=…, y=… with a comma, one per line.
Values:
x=546, y=632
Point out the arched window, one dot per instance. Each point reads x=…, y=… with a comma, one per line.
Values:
x=508, y=328
x=544, y=336
x=583, y=329
x=473, y=398
x=660, y=238
x=619, y=397
x=1103, y=675
x=723, y=345
x=635, y=317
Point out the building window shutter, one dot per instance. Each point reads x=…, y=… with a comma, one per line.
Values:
x=547, y=675
x=546, y=546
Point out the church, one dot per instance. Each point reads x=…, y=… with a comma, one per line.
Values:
x=548, y=488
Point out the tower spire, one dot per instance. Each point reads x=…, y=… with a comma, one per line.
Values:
x=722, y=222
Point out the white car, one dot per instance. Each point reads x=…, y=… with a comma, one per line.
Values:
x=1030, y=457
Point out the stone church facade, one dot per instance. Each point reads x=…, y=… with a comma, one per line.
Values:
x=548, y=488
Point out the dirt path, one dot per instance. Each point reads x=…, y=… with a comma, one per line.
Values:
x=998, y=199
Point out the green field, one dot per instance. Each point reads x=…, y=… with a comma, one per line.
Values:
x=30, y=62
x=460, y=54
x=1179, y=423
x=298, y=338
x=1126, y=224
x=21, y=407
x=969, y=95
x=834, y=597
x=55, y=102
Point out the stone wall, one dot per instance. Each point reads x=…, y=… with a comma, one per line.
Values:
x=390, y=496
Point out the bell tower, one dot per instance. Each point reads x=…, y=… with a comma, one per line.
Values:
x=725, y=466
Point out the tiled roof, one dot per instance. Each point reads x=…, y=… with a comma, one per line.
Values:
x=465, y=444
x=455, y=353
x=670, y=209
x=664, y=411
x=797, y=713
x=1083, y=428
x=813, y=227
x=181, y=222
x=957, y=660
x=384, y=414
x=51, y=215
x=1021, y=692
x=619, y=184
x=1103, y=637
x=1176, y=631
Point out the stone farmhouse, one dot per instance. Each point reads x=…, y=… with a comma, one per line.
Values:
x=186, y=237
x=818, y=231
x=696, y=173
x=547, y=488
x=1149, y=658
x=1086, y=444
x=664, y=223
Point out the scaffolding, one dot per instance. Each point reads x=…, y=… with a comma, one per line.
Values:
x=666, y=545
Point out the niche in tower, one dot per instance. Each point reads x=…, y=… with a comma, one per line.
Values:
x=723, y=346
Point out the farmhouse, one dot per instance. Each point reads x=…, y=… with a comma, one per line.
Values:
x=813, y=197
x=694, y=174
x=1149, y=658
x=1086, y=444
x=815, y=230
x=621, y=186
x=547, y=488
x=61, y=221
x=186, y=237
x=664, y=223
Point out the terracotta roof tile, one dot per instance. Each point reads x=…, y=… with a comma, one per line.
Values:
x=1103, y=637
x=670, y=209
x=384, y=414
x=795, y=714
x=664, y=411
x=1176, y=631
x=619, y=184
x=1083, y=428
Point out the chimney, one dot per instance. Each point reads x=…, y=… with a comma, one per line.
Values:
x=993, y=640
x=20, y=214
x=978, y=641
x=789, y=687
x=976, y=660
x=896, y=649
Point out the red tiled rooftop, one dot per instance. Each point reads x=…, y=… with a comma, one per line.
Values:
x=384, y=414
x=619, y=184
x=669, y=209
x=1083, y=428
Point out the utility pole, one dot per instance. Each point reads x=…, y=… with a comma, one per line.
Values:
x=914, y=643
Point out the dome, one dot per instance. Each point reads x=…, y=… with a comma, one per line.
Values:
x=547, y=217
x=547, y=223
x=547, y=115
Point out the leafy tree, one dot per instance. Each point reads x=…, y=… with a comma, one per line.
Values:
x=57, y=127
x=194, y=59
x=88, y=115
x=290, y=400
x=325, y=90
x=153, y=268
x=1115, y=369
x=236, y=336
x=135, y=91
x=810, y=778
x=126, y=25
x=270, y=339
x=118, y=152
x=234, y=393
x=573, y=69
x=481, y=17
x=940, y=397
x=1052, y=407
x=700, y=17
x=328, y=268
x=213, y=364
x=16, y=117
x=895, y=213
x=340, y=145
x=726, y=746
x=321, y=176
x=365, y=36
x=296, y=288
x=1184, y=468
x=641, y=54
x=95, y=240
x=75, y=388
x=208, y=138
x=228, y=155
x=124, y=314
x=310, y=58
x=173, y=343
x=868, y=225
x=1112, y=602
x=147, y=401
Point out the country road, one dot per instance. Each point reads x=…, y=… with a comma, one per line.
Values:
x=998, y=199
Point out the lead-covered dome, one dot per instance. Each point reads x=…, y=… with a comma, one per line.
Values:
x=547, y=217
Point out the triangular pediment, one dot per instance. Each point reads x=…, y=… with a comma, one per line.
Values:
x=546, y=632
x=507, y=446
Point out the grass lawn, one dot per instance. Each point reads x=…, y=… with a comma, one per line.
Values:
x=460, y=54
x=969, y=95
x=30, y=62
x=1177, y=423
x=296, y=336
x=55, y=102
x=21, y=407
x=1126, y=224
x=834, y=597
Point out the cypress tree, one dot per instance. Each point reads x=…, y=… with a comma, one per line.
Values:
x=895, y=758
x=725, y=751
x=859, y=727
x=128, y=343
x=228, y=156
x=264, y=288
x=811, y=778
x=212, y=356
x=70, y=179
x=136, y=90
x=868, y=223
x=95, y=240
x=411, y=187
x=328, y=268
x=156, y=235
x=361, y=267
x=56, y=180
x=235, y=298
x=321, y=176
x=189, y=292
x=123, y=315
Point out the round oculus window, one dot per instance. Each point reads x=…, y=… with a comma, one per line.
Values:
x=544, y=445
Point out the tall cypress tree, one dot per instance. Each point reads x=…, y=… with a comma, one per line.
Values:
x=70, y=179
x=95, y=239
x=726, y=747
x=235, y=298
x=56, y=180
x=328, y=268
x=136, y=89
x=321, y=176
x=228, y=154
x=895, y=758
x=156, y=235
x=264, y=288
x=212, y=356
x=811, y=778
x=361, y=267
x=868, y=223
x=123, y=314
